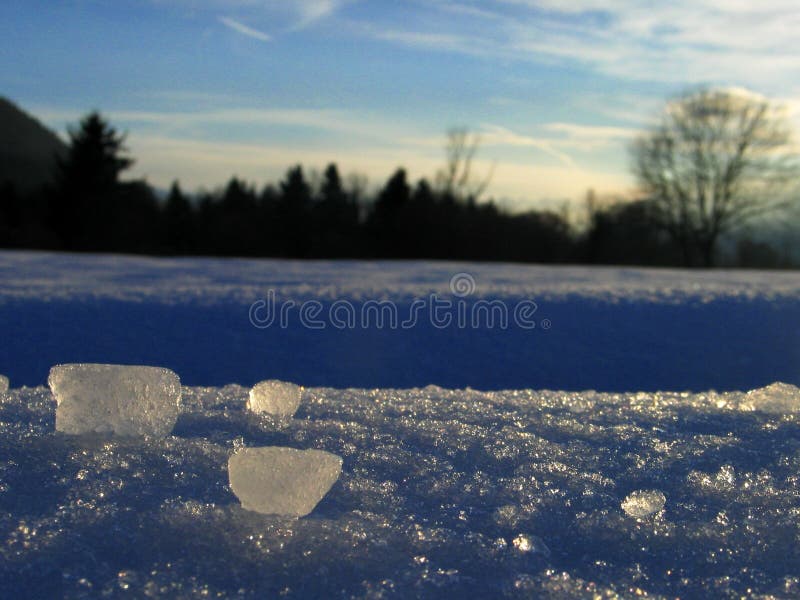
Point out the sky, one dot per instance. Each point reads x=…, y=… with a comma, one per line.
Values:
x=555, y=89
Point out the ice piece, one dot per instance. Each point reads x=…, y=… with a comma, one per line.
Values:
x=3, y=384
x=126, y=400
x=530, y=543
x=643, y=503
x=274, y=397
x=777, y=398
x=282, y=481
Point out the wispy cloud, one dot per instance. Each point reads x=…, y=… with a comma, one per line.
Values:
x=354, y=125
x=311, y=11
x=685, y=41
x=424, y=39
x=589, y=137
x=244, y=29
x=495, y=135
x=282, y=15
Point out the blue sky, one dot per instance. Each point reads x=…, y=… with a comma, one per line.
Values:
x=211, y=88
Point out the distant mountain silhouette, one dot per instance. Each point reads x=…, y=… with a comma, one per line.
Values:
x=27, y=148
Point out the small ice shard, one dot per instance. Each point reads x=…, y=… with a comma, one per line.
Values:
x=3, y=384
x=126, y=400
x=278, y=398
x=282, y=481
x=777, y=398
x=643, y=503
x=530, y=543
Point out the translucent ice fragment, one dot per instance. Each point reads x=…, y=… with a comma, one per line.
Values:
x=282, y=481
x=126, y=400
x=643, y=503
x=274, y=397
x=777, y=398
x=3, y=384
x=530, y=543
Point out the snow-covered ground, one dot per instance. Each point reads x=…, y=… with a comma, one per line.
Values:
x=595, y=328
x=443, y=492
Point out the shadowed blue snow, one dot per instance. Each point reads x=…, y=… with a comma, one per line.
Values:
x=611, y=329
x=443, y=494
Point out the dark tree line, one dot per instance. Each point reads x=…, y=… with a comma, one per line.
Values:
x=88, y=207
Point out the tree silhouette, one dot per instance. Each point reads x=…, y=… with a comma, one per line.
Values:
x=335, y=218
x=711, y=164
x=293, y=211
x=457, y=179
x=238, y=223
x=87, y=180
x=386, y=221
x=179, y=222
x=716, y=159
x=627, y=233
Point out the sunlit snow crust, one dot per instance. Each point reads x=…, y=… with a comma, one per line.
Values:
x=443, y=494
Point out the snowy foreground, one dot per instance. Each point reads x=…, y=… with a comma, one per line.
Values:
x=443, y=493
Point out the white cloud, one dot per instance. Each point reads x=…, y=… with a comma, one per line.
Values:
x=685, y=41
x=434, y=40
x=244, y=29
x=311, y=11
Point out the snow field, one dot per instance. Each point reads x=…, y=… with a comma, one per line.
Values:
x=442, y=492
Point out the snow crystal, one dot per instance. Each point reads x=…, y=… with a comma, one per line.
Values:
x=3, y=384
x=643, y=503
x=126, y=400
x=778, y=398
x=278, y=398
x=282, y=481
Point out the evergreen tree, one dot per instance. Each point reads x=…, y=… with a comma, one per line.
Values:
x=335, y=218
x=386, y=224
x=87, y=180
x=237, y=223
x=178, y=222
x=294, y=212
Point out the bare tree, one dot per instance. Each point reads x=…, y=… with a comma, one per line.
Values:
x=716, y=159
x=457, y=179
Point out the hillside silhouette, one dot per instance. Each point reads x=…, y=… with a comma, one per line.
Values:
x=28, y=150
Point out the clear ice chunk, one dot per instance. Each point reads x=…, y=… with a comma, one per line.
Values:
x=643, y=503
x=282, y=481
x=777, y=398
x=120, y=399
x=3, y=384
x=530, y=543
x=278, y=398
